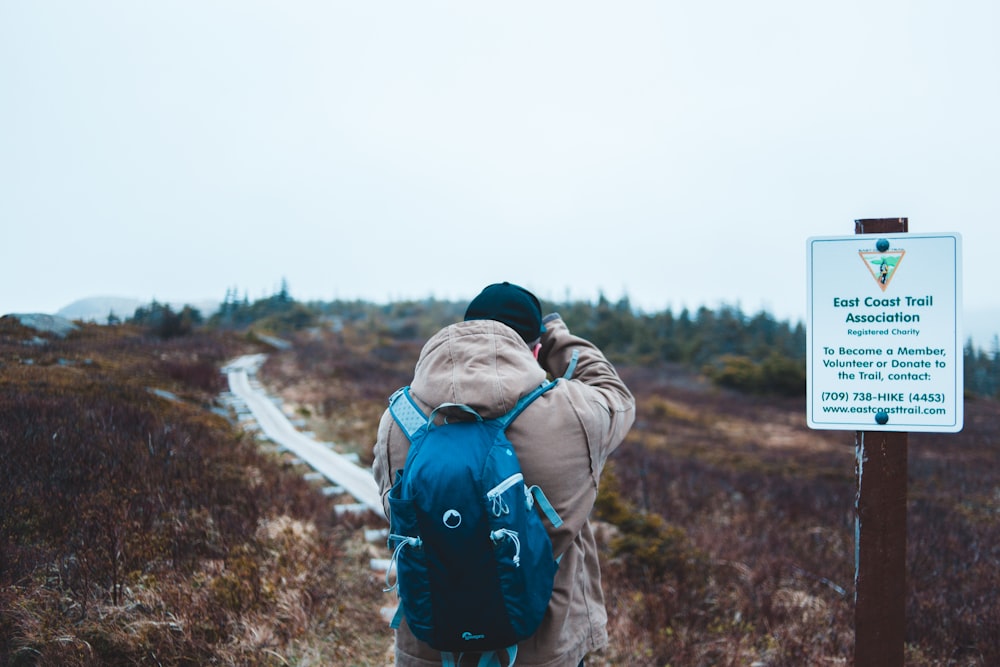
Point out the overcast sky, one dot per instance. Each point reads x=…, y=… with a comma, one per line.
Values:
x=680, y=153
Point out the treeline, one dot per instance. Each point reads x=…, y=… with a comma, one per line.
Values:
x=982, y=370
x=754, y=353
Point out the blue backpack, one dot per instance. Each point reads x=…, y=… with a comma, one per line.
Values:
x=474, y=563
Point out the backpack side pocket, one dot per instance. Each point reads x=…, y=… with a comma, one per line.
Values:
x=412, y=580
x=523, y=556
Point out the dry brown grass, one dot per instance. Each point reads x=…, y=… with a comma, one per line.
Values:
x=142, y=529
x=756, y=522
x=729, y=539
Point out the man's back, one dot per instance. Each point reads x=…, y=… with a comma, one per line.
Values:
x=562, y=440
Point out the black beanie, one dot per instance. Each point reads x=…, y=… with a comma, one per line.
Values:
x=514, y=306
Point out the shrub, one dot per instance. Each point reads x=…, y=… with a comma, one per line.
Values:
x=647, y=543
x=776, y=375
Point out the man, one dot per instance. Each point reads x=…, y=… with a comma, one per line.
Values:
x=499, y=353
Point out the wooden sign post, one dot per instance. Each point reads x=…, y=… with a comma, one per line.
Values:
x=880, y=529
x=883, y=359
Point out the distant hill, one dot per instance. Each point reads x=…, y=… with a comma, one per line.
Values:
x=97, y=308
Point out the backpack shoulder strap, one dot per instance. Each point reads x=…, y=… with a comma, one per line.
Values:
x=406, y=413
x=525, y=401
x=573, y=360
x=411, y=418
x=536, y=496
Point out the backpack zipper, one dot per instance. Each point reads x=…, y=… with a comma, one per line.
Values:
x=495, y=494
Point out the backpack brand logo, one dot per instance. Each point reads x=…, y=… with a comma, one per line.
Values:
x=468, y=636
x=882, y=263
x=452, y=518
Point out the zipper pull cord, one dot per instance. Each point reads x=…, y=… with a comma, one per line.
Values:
x=499, y=506
x=404, y=541
x=501, y=533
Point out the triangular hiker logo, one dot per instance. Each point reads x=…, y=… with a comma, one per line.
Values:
x=882, y=265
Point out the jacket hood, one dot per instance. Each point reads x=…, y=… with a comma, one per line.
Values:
x=482, y=363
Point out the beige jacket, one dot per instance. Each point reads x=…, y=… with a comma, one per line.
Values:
x=562, y=441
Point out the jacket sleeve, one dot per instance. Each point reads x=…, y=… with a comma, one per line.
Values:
x=382, y=465
x=592, y=368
